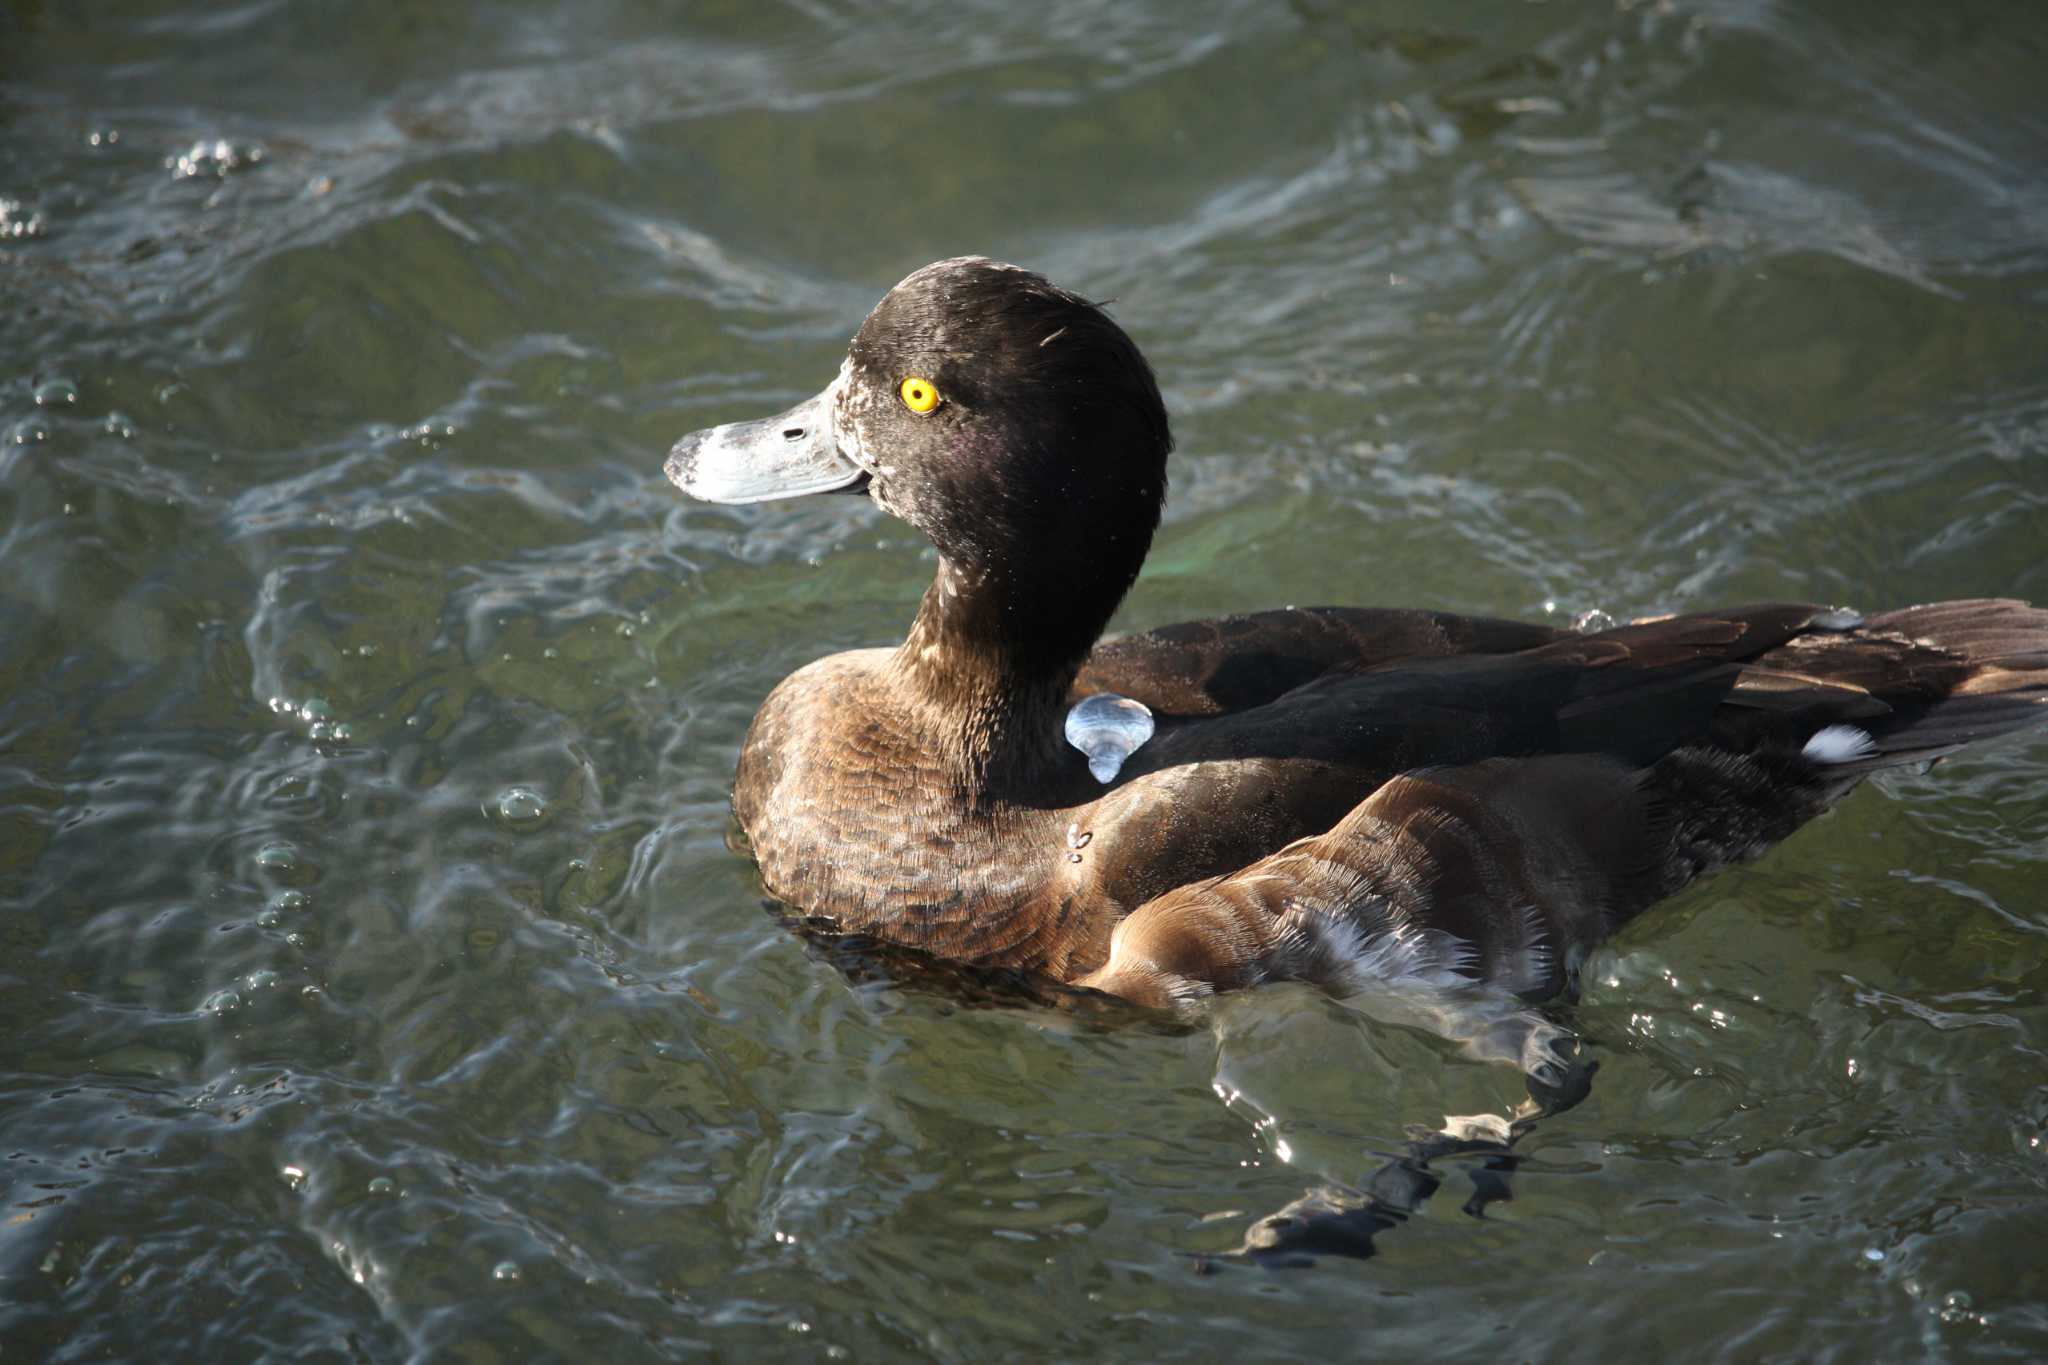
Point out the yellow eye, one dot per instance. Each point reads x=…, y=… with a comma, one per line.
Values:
x=919, y=395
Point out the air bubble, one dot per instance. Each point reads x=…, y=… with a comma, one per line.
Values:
x=17, y=221
x=215, y=160
x=521, y=806
x=277, y=856
x=1957, y=1309
x=55, y=391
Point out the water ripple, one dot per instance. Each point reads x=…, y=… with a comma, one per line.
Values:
x=375, y=972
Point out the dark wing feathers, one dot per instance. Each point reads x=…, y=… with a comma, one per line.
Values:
x=1759, y=675
x=1209, y=668
x=1634, y=692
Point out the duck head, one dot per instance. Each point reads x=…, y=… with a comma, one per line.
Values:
x=1011, y=422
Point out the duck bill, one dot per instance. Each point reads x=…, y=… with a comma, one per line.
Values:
x=785, y=456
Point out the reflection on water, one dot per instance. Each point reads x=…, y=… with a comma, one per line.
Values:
x=374, y=974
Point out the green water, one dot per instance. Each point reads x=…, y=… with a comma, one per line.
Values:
x=375, y=980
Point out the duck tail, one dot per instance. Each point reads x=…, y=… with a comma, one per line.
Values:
x=1908, y=686
x=1810, y=718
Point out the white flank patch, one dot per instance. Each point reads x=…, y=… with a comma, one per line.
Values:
x=1839, y=744
x=1334, y=949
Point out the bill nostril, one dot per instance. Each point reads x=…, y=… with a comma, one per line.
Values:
x=792, y=433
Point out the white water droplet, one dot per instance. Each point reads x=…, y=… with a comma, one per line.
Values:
x=1108, y=729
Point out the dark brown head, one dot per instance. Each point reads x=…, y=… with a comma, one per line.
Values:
x=1009, y=420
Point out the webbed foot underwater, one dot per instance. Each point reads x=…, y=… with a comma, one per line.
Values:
x=1374, y=800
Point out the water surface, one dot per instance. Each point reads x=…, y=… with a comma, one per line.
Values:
x=375, y=980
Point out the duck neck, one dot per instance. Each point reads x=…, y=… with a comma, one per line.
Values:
x=991, y=663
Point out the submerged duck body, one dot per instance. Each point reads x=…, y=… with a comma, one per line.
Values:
x=1338, y=795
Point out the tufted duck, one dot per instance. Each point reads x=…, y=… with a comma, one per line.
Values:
x=1341, y=795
